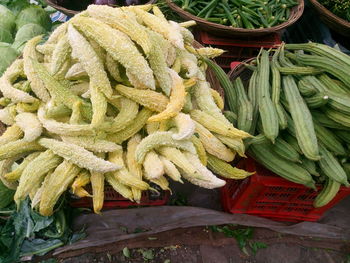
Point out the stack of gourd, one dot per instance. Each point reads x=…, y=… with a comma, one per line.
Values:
x=117, y=95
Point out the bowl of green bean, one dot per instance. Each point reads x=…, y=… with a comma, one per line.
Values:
x=239, y=17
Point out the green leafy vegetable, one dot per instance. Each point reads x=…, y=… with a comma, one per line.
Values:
x=242, y=235
x=6, y=195
x=5, y=36
x=27, y=233
x=26, y=33
x=7, y=56
x=15, y=5
x=7, y=19
x=33, y=15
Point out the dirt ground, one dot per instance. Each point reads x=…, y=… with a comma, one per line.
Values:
x=216, y=248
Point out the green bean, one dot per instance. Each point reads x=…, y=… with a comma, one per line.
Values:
x=207, y=8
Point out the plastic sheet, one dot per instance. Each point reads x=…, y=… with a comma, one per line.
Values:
x=116, y=225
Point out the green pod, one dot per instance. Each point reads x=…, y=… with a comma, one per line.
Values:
x=292, y=141
x=310, y=166
x=329, y=191
x=326, y=121
x=331, y=166
x=302, y=119
x=346, y=167
x=331, y=84
x=343, y=135
x=267, y=110
x=316, y=101
x=305, y=88
x=282, y=119
x=325, y=64
x=286, y=151
x=286, y=169
x=329, y=140
x=245, y=108
x=252, y=95
x=232, y=117
x=323, y=50
x=226, y=84
x=338, y=117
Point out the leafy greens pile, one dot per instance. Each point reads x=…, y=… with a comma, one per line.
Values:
x=19, y=22
x=27, y=233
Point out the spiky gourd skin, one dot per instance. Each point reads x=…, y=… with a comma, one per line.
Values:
x=30, y=125
x=123, y=175
x=160, y=26
x=91, y=62
x=76, y=72
x=209, y=180
x=132, y=128
x=56, y=183
x=171, y=170
x=159, y=139
x=60, y=55
x=34, y=173
x=92, y=144
x=121, y=21
x=176, y=101
x=79, y=156
x=113, y=68
x=213, y=145
x=225, y=169
x=14, y=148
x=97, y=184
x=6, y=88
x=120, y=47
x=8, y=114
x=60, y=92
x=17, y=172
x=153, y=166
x=82, y=179
x=64, y=129
x=134, y=167
x=152, y=100
x=29, y=54
x=185, y=126
x=128, y=111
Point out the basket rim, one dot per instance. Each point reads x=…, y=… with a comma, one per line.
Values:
x=70, y=12
x=296, y=13
x=324, y=11
x=61, y=8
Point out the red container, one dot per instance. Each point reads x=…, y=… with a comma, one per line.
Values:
x=238, y=49
x=267, y=195
x=114, y=200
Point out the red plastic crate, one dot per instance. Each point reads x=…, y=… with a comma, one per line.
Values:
x=238, y=49
x=114, y=200
x=267, y=195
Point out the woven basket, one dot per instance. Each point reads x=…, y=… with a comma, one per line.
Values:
x=334, y=22
x=222, y=30
x=70, y=12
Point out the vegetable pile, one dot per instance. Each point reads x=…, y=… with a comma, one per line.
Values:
x=299, y=110
x=24, y=232
x=24, y=22
x=248, y=14
x=340, y=8
x=117, y=95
